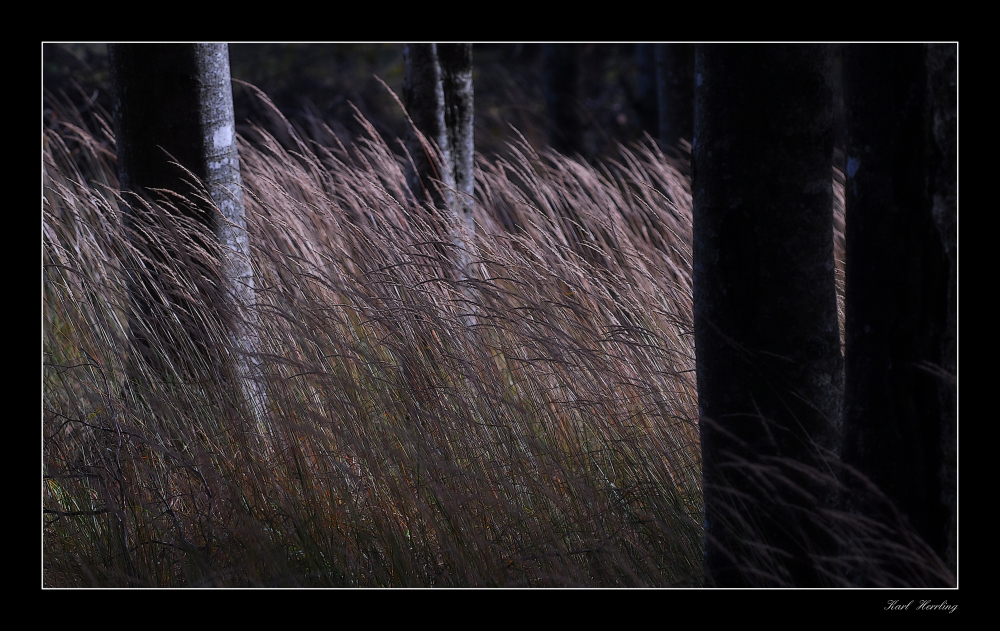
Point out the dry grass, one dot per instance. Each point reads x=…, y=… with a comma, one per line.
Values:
x=531, y=426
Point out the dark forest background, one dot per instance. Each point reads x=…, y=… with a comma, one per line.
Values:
x=311, y=82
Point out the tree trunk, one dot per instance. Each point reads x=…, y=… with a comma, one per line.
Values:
x=423, y=96
x=646, y=89
x=563, y=97
x=174, y=103
x=899, y=301
x=456, y=81
x=942, y=63
x=438, y=95
x=675, y=88
x=769, y=364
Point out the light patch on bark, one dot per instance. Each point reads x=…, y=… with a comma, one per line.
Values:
x=223, y=137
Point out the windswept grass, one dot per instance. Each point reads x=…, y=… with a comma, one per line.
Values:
x=530, y=426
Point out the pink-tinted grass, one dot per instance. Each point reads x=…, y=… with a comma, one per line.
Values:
x=532, y=425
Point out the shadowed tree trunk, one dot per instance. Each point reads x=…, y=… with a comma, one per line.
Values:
x=563, y=97
x=646, y=90
x=899, y=420
x=942, y=65
x=173, y=103
x=769, y=364
x=675, y=89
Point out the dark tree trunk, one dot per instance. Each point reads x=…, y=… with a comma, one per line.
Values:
x=899, y=284
x=769, y=364
x=942, y=63
x=563, y=97
x=675, y=88
x=646, y=90
x=173, y=103
x=149, y=80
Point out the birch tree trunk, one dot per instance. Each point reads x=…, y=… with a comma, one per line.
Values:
x=438, y=95
x=456, y=82
x=423, y=95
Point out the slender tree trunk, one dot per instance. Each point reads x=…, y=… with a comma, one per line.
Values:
x=423, y=96
x=438, y=95
x=174, y=103
x=456, y=81
x=899, y=301
x=769, y=364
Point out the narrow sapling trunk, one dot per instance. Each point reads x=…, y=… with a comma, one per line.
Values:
x=456, y=80
x=438, y=95
x=423, y=96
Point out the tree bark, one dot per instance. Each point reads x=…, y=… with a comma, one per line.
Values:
x=647, y=90
x=423, y=96
x=438, y=95
x=174, y=103
x=456, y=81
x=942, y=63
x=769, y=364
x=563, y=98
x=675, y=89
x=899, y=300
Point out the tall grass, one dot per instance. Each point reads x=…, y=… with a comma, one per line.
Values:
x=533, y=425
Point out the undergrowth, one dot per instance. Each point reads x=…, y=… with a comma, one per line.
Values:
x=532, y=425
